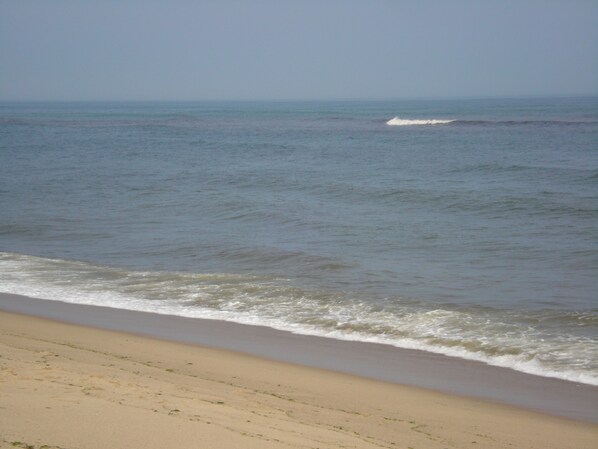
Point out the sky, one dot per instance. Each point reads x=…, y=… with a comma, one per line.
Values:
x=81, y=50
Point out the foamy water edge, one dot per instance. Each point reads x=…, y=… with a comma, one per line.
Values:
x=94, y=292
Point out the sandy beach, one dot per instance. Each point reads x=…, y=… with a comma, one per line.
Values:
x=298, y=225
x=67, y=386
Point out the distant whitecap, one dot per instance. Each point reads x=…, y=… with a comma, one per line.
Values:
x=397, y=121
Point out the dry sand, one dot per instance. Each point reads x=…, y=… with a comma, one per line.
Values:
x=66, y=386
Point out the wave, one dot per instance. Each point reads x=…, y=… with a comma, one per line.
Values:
x=551, y=344
x=397, y=121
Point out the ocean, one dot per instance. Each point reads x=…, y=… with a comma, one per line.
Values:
x=462, y=227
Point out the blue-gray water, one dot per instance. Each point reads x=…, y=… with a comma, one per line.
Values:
x=474, y=236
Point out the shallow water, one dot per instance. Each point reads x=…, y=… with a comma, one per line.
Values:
x=473, y=236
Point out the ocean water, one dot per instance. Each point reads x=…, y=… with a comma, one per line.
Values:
x=463, y=227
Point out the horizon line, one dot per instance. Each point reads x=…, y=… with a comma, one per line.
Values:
x=307, y=100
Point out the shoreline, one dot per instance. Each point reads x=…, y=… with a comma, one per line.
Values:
x=407, y=367
x=65, y=386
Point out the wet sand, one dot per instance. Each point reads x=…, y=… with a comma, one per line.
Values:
x=375, y=361
x=68, y=386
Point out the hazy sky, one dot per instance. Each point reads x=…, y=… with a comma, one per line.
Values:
x=302, y=49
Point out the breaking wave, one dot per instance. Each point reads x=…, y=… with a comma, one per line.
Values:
x=546, y=343
x=397, y=121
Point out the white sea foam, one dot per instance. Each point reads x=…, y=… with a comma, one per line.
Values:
x=276, y=304
x=398, y=121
